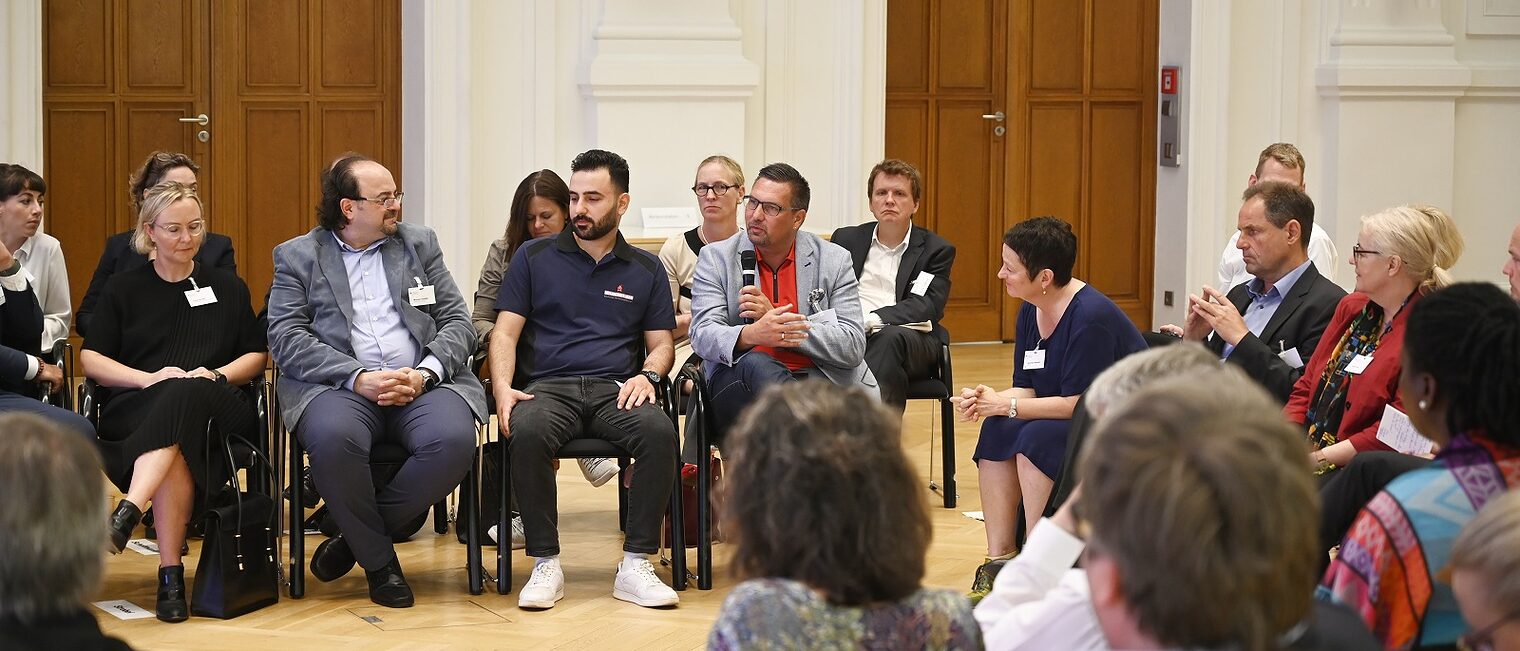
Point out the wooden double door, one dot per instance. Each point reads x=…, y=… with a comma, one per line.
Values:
x=1013, y=109
x=261, y=93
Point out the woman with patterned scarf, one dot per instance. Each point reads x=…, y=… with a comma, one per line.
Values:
x=1461, y=377
x=1401, y=254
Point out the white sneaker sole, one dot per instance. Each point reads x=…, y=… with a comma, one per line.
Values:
x=618, y=593
x=541, y=605
x=597, y=481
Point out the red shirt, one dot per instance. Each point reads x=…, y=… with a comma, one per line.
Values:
x=780, y=285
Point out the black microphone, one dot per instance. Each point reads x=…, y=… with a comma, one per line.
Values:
x=747, y=265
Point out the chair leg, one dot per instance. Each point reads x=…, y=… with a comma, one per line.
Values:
x=441, y=514
x=622, y=495
x=504, y=523
x=704, y=497
x=947, y=449
x=470, y=504
x=297, y=521
x=677, y=531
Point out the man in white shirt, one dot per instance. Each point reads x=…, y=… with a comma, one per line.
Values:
x=1280, y=161
x=904, y=277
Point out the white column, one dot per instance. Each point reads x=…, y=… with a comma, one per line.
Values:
x=435, y=126
x=21, y=79
x=665, y=87
x=1389, y=79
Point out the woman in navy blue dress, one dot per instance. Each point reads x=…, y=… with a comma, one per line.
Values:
x=1068, y=333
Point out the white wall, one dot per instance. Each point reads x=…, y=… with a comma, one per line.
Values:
x=21, y=81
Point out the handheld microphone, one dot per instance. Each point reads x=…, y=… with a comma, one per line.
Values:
x=747, y=265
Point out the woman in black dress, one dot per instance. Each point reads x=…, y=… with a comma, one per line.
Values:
x=171, y=341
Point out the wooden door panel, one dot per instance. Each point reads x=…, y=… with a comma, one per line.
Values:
x=83, y=204
x=1054, y=184
x=1055, y=45
x=962, y=208
x=78, y=47
x=275, y=34
x=965, y=33
x=152, y=32
x=1112, y=231
x=907, y=60
x=1118, y=33
x=347, y=57
x=351, y=126
x=277, y=201
x=910, y=118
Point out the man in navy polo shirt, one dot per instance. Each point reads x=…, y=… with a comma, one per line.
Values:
x=576, y=315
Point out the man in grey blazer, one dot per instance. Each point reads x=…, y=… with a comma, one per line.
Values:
x=801, y=318
x=373, y=340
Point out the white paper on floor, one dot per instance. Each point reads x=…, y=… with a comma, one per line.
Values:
x=974, y=515
x=123, y=609
x=143, y=546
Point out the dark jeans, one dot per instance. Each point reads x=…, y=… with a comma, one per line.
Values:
x=338, y=429
x=68, y=420
x=896, y=355
x=576, y=407
x=732, y=388
x=1345, y=492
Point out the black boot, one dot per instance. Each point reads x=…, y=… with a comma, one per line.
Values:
x=121, y=523
x=171, y=605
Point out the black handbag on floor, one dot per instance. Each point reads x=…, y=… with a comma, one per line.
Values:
x=236, y=572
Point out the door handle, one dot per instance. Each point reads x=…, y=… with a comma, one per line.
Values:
x=203, y=120
x=997, y=117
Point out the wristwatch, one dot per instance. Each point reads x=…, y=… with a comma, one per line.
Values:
x=429, y=378
x=218, y=376
x=653, y=377
x=1013, y=407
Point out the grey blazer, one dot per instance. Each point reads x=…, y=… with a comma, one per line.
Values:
x=310, y=311
x=838, y=349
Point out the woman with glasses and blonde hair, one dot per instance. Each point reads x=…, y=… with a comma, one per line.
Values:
x=170, y=343
x=1485, y=576
x=158, y=167
x=825, y=566
x=1401, y=254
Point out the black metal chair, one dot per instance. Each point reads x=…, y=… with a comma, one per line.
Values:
x=699, y=424
x=938, y=386
x=61, y=356
x=383, y=452
x=588, y=448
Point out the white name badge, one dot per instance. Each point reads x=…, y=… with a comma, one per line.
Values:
x=826, y=317
x=1292, y=358
x=1358, y=364
x=420, y=296
x=1034, y=360
x=626, y=298
x=201, y=296
x=921, y=283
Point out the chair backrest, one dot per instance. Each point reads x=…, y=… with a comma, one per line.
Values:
x=1081, y=424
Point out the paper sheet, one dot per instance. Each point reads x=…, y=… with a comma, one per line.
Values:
x=1399, y=433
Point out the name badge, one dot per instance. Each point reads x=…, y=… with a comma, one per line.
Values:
x=626, y=298
x=1034, y=360
x=921, y=283
x=826, y=317
x=1291, y=357
x=200, y=296
x=420, y=296
x=1358, y=364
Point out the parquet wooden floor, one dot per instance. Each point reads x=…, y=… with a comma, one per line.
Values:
x=332, y=615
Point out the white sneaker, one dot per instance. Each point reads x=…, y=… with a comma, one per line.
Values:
x=638, y=584
x=598, y=471
x=518, y=540
x=546, y=586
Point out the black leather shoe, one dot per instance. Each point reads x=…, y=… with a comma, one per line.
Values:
x=171, y=605
x=388, y=587
x=121, y=523
x=332, y=559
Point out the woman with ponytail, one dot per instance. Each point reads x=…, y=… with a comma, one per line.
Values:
x=1460, y=377
x=1401, y=254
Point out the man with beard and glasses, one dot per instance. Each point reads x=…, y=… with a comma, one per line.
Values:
x=373, y=339
x=582, y=337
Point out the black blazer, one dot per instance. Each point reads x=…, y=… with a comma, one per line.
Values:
x=20, y=337
x=216, y=251
x=927, y=252
x=1299, y=322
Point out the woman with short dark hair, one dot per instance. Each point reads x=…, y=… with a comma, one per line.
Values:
x=1068, y=333
x=829, y=530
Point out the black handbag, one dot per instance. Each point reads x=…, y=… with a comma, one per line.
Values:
x=236, y=571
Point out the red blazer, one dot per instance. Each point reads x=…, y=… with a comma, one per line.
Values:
x=1368, y=393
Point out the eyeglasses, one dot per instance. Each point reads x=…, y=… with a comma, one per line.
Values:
x=770, y=209
x=1357, y=251
x=1484, y=640
x=718, y=189
x=385, y=202
x=194, y=229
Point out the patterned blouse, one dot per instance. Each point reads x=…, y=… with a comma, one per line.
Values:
x=1391, y=562
x=785, y=614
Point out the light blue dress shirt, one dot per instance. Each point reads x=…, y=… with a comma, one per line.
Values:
x=1264, y=304
x=378, y=334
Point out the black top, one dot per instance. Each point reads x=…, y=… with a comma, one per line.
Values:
x=20, y=336
x=585, y=318
x=147, y=323
x=76, y=630
x=118, y=256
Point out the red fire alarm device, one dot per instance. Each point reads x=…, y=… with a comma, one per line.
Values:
x=1169, y=80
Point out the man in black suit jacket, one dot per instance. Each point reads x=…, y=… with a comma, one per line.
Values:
x=1271, y=324
x=216, y=251
x=904, y=277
